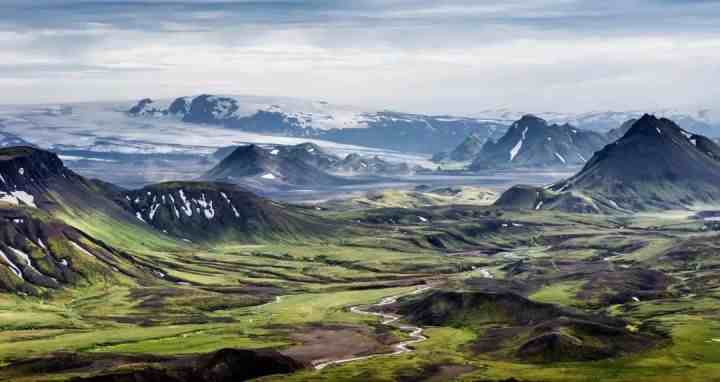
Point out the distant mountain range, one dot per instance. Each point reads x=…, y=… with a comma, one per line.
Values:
x=406, y=132
x=305, y=165
x=656, y=165
x=702, y=120
x=382, y=129
x=530, y=142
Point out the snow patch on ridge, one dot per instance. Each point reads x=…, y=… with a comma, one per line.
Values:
x=186, y=204
x=153, y=211
x=81, y=249
x=15, y=197
x=515, y=150
x=13, y=268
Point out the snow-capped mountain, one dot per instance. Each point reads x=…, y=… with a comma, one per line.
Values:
x=298, y=118
x=656, y=165
x=533, y=142
x=306, y=164
x=100, y=140
x=701, y=120
x=259, y=168
x=217, y=109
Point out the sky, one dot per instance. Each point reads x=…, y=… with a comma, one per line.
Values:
x=430, y=56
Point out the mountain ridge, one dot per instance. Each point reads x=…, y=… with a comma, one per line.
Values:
x=207, y=211
x=656, y=165
x=383, y=129
x=533, y=142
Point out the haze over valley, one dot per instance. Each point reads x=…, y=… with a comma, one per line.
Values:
x=216, y=191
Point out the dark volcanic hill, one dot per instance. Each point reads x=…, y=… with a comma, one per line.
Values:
x=37, y=178
x=224, y=365
x=309, y=153
x=203, y=211
x=656, y=165
x=254, y=166
x=514, y=327
x=532, y=142
x=354, y=164
x=305, y=164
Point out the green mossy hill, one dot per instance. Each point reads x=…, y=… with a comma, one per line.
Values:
x=512, y=327
x=39, y=253
x=224, y=365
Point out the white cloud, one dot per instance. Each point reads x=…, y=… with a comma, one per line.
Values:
x=444, y=56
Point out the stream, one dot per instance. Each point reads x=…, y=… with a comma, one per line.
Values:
x=415, y=332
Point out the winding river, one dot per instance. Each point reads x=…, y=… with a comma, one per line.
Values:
x=415, y=332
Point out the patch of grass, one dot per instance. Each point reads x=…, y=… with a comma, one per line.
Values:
x=561, y=293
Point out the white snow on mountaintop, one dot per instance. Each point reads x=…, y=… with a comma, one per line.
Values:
x=105, y=127
x=606, y=118
x=515, y=150
x=320, y=115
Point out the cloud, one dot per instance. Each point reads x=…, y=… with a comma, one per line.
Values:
x=416, y=55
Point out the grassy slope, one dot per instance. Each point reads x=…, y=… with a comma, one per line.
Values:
x=104, y=317
x=465, y=195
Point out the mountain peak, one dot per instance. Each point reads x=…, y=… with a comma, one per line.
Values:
x=530, y=120
x=656, y=165
x=648, y=118
x=532, y=142
x=22, y=164
x=257, y=166
x=247, y=151
x=650, y=122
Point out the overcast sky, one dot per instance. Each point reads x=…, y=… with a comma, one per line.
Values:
x=454, y=56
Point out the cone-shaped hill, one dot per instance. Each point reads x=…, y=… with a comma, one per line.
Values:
x=656, y=165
